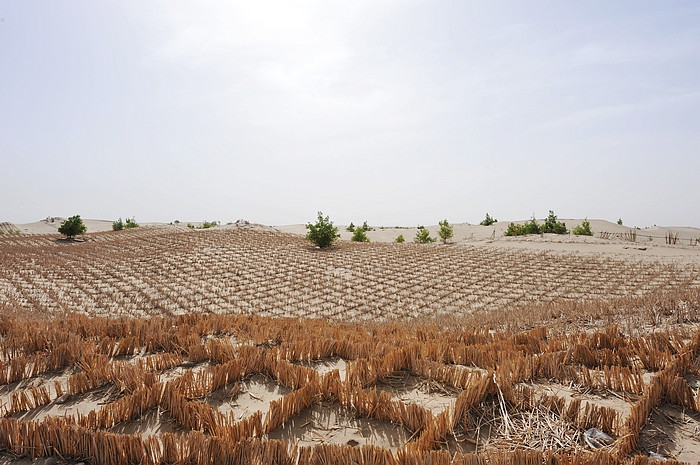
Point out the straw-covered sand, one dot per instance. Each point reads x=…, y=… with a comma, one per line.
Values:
x=487, y=350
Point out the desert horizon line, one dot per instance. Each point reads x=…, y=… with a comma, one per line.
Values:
x=387, y=225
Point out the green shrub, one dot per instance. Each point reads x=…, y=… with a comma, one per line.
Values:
x=190, y=225
x=446, y=231
x=323, y=233
x=129, y=223
x=365, y=227
x=400, y=239
x=619, y=221
x=207, y=224
x=488, y=221
x=584, y=229
x=72, y=227
x=423, y=236
x=515, y=230
x=531, y=227
x=552, y=226
x=359, y=235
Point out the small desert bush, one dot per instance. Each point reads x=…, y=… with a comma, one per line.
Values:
x=423, y=236
x=446, y=231
x=514, y=230
x=359, y=235
x=128, y=224
x=208, y=224
x=365, y=227
x=72, y=227
x=552, y=226
x=488, y=221
x=322, y=233
x=584, y=229
x=531, y=227
x=400, y=239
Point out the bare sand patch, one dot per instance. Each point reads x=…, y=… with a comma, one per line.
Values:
x=619, y=401
x=672, y=433
x=150, y=423
x=331, y=423
x=244, y=398
x=429, y=394
x=325, y=366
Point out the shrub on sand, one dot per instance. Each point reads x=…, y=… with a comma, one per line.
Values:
x=322, y=233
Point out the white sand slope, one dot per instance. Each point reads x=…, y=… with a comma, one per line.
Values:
x=50, y=225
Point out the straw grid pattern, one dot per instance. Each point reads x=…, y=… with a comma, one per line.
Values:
x=135, y=360
x=158, y=271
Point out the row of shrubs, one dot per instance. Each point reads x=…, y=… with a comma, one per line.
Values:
x=128, y=224
x=550, y=226
x=324, y=234
x=205, y=225
x=131, y=223
x=74, y=225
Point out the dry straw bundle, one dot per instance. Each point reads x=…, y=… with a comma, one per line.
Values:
x=639, y=414
x=292, y=376
x=234, y=431
x=433, y=434
x=125, y=408
x=285, y=408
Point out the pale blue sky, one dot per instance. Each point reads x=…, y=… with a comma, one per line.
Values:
x=395, y=112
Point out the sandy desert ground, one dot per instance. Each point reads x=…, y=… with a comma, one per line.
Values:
x=244, y=344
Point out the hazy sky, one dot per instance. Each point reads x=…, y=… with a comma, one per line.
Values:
x=395, y=112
